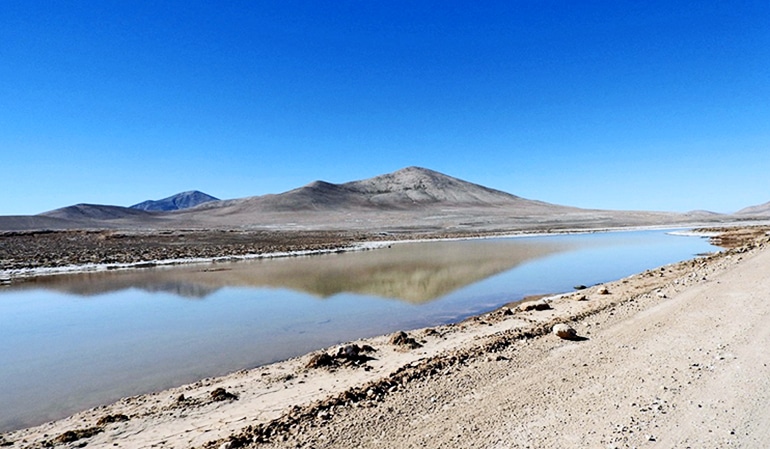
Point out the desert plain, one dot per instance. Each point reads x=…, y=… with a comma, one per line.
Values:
x=671, y=357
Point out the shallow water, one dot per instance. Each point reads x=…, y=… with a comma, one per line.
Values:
x=70, y=342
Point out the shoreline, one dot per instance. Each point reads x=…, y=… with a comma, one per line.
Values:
x=9, y=276
x=271, y=402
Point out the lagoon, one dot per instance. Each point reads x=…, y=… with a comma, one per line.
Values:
x=69, y=342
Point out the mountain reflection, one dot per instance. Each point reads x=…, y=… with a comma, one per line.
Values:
x=412, y=272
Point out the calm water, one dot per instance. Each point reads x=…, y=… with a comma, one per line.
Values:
x=71, y=342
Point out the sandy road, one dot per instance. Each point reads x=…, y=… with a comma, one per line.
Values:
x=687, y=370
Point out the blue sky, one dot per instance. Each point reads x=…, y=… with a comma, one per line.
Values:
x=661, y=105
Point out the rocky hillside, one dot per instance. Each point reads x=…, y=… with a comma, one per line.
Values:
x=415, y=185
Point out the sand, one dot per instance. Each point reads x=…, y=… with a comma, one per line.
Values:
x=672, y=357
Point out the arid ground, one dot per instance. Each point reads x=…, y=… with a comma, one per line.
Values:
x=674, y=356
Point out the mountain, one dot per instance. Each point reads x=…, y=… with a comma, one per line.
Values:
x=100, y=215
x=411, y=188
x=409, y=199
x=184, y=200
x=758, y=210
x=412, y=199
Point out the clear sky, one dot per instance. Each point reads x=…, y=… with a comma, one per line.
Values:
x=661, y=105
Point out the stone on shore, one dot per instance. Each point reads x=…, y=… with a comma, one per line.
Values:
x=534, y=305
x=401, y=338
x=564, y=331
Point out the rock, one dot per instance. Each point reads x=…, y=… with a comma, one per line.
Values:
x=348, y=351
x=402, y=339
x=604, y=291
x=220, y=394
x=235, y=442
x=74, y=435
x=104, y=420
x=353, y=354
x=347, y=355
x=564, y=331
x=580, y=287
x=320, y=360
x=534, y=305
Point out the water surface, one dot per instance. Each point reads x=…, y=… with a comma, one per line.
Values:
x=70, y=342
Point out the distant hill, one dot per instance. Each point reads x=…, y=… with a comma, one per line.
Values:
x=706, y=213
x=92, y=211
x=184, y=200
x=84, y=216
x=80, y=212
x=759, y=210
x=412, y=199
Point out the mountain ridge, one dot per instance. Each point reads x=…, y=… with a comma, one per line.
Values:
x=412, y=199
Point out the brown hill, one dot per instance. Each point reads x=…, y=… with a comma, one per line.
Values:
x=411, y=199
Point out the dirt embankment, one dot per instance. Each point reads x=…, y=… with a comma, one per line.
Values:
x=735, y=237
x=36, y=249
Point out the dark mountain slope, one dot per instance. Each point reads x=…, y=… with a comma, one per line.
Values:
x=81, y=212
x=184, y=200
